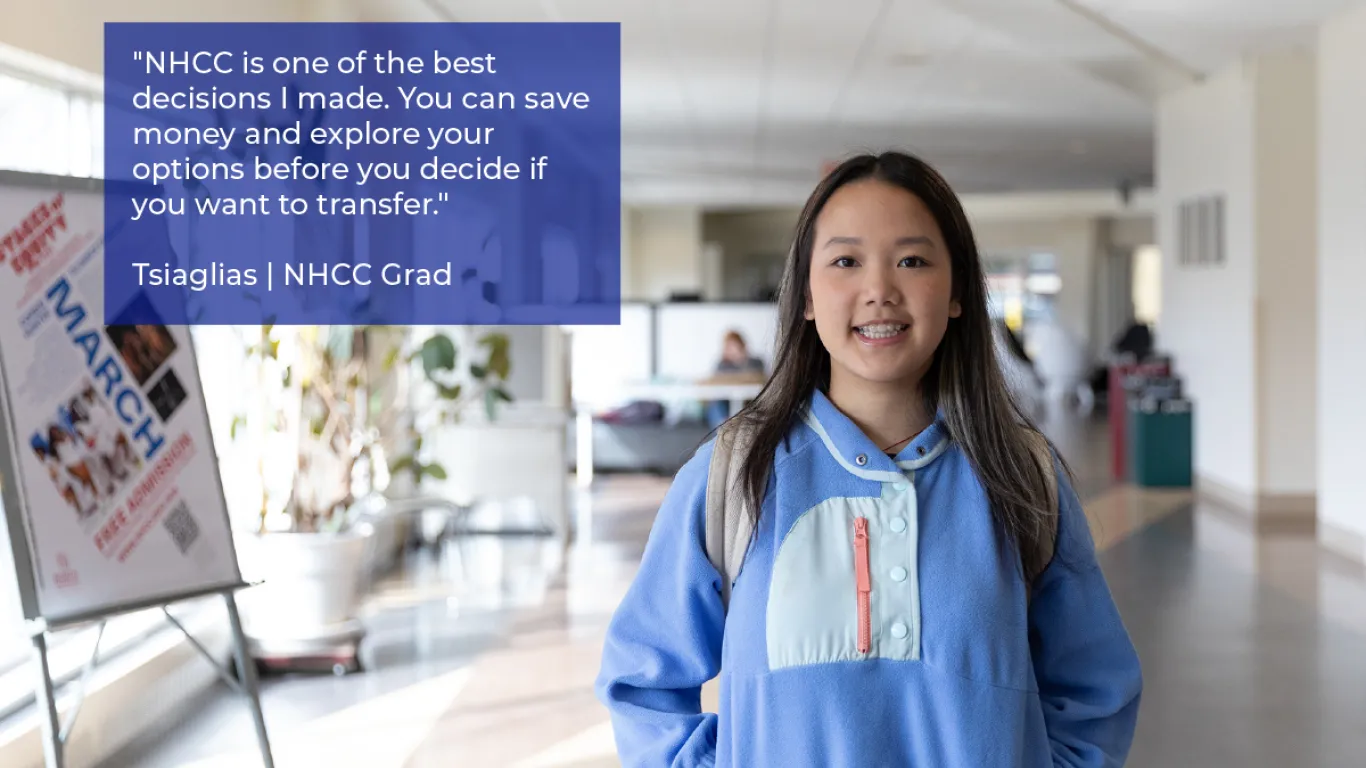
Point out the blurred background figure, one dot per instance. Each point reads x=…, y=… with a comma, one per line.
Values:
x=736, y=366
x=1061, y=362
x=1018, y=369
x=1137, y=340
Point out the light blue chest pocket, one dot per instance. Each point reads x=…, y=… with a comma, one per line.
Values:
x=845, y=590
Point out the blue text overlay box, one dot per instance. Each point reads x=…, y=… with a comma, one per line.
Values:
x=391, y=174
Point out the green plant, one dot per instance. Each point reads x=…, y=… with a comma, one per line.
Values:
x=335, y=433
x=268, y=417
x=322, y=393
x=454, y=388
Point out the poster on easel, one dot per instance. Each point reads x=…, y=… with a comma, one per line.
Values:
x=109, y=464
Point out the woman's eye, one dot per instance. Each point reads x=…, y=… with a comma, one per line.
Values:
x=912, y=261
x=844, y=261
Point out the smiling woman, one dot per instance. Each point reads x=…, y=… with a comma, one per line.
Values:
x=895, y=493
x=882, y=281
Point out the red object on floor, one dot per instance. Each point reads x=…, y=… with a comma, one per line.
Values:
x=1119, y=411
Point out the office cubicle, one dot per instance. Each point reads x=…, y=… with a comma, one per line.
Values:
x=659, y=343
x=688, y=337
x=662, y=342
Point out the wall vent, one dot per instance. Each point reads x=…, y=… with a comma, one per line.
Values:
x=1200, y=231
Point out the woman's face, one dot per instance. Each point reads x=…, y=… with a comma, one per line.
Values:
x=881, y=285
x=735, y=351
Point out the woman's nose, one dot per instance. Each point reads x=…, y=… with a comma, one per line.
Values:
x=879, y=287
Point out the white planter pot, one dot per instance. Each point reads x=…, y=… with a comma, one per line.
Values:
x=434, y=523
x=312, y=583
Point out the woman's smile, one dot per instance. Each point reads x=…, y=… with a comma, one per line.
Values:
x=882, y=334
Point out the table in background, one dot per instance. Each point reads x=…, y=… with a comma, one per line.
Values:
x=736, y=394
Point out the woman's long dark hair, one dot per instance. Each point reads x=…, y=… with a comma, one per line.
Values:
x=964, y=379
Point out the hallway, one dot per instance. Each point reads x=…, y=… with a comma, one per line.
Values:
x=1251, y=645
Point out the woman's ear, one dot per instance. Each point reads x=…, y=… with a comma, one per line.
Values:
x=810, y=312
x=955, y=309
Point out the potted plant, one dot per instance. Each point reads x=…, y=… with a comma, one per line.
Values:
x=309, y=561
x=315, y=548
x=448, y=389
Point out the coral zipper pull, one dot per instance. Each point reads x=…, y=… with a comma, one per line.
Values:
x=864, y=581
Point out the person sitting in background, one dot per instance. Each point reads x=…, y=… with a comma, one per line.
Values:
x=736, y=366
x=1136, y=342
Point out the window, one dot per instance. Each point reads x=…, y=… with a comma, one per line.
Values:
x=48, y=130
x=1147, y=284
x=1005, y=288
x=254, y=464
x=1021, y=287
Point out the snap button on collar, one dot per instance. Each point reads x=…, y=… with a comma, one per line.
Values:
x=861, y=459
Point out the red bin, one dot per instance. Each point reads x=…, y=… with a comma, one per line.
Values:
x=1119, y=461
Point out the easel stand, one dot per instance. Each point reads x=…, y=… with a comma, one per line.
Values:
x=56, y=733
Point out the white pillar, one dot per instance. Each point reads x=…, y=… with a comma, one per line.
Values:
x=1241, y=329
x=1342, y=273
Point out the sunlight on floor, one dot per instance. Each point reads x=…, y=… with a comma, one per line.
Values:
x=592, y=748
x=379, y=733
x=1122, y=511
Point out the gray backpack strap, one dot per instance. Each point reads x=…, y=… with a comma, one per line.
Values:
x=1043, y=454
x=728, y=523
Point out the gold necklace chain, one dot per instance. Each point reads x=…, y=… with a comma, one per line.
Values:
x=899, y=442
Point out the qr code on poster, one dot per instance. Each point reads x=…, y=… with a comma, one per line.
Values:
x=182, y=526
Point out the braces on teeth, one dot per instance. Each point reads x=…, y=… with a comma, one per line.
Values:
x=880, y=331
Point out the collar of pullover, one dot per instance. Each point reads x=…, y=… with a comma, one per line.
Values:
x=859, y=455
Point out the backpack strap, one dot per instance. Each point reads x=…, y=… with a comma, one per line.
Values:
x=1043, y=454
x=729, y=526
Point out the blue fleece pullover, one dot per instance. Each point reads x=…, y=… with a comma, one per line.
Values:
x=936, y=660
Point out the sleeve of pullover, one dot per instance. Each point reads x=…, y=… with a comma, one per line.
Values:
x=664, y=641
x=1086, y=666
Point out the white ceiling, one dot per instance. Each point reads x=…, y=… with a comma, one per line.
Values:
x=739, y=102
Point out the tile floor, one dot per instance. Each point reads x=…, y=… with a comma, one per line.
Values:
x=483, y=654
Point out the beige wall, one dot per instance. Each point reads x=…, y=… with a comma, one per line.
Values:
x=665, y=252
x=1341, y=273
x=753, y=246
x=72, y=32
x=1133, y=233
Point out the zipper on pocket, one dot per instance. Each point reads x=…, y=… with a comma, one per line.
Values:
x=864, y=582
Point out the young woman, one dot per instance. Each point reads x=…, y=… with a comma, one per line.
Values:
x=893, y=608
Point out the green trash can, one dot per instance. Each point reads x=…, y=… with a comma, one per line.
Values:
x=1160, y=442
